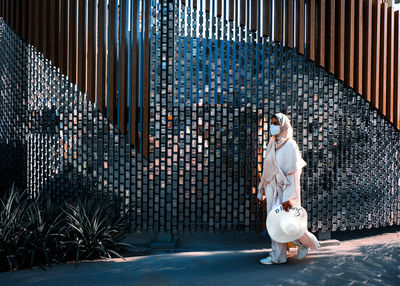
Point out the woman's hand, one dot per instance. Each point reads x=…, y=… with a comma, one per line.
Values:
x=286, y=206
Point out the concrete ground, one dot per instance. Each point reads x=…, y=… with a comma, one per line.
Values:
x=367, y=260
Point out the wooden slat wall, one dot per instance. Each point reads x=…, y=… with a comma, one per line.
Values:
x=356, y=40
x=69, y=35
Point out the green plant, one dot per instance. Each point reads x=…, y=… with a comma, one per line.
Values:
x=39, y=232
x=13, y=208
x=92, y=227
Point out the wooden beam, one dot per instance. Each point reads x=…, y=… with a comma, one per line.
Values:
x=43, y=23
x=82, y=46
x=320, y=33
x=349, y=43
x=91, y=50
x=358, y=46
x=396, y=93
x=300, y=26
x=330, y=37
x=231, y=10
x=146, y=82
x=289, y=20
x=339, y=38
x=390, y=66
x=310, y=42
x=208, y=6
x=112, y=60
x=101, y=57
x=219, y=8
x=254, y=16
x=266, y=25
x=63, y=36
x=383, y=58
x=72, y=35
x=376, y=36
x=242, y=13
x=367, y=50
x=123, y=106
x=278, y=21
x=133, y=79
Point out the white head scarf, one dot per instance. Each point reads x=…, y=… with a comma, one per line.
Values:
x=291, y=160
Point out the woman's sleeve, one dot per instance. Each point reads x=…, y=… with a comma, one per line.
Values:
x=292, y=191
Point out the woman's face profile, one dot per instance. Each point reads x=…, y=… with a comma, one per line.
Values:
x=275, y=121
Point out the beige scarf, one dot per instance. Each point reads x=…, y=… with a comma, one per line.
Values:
x=271, y=168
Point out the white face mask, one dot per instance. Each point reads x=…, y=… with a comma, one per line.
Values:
x=275, y=129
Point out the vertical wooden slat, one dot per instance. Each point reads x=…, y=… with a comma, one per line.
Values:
x=266, y=26
x=367, y=50
x=42, y=18
x=23, y=20
x=56, y=31
x=195, y=4
x=300, y=26
x=289, y=19
x=49, y=52
x=383, y=58
x=349, y=43
x=320, y=33
x=254, y=16
x=358, y=46
x=376, y=36
x=231, y=10
x=17, y=17
x=242, y=13
x=82, y=46
x=208, y=5
x=146, y=81
x=112, y=60
x=396, y=87
x=30, y=17
x=133, y=79
x=278, y=21
x=330, y=36
x=390, y=66
x=310, y=42
x=339, y=39
x=34, y=13
x=91, y=51
x=12, y=15
x=124, y=70
x=63, y=36
x=101, y=57
x=219, y=8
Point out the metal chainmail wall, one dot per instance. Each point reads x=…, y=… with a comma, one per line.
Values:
x=213, y=92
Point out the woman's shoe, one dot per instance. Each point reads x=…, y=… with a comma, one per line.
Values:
x=268, y=261
x=301, y=252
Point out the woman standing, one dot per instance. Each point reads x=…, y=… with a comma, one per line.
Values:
x=280, y=181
